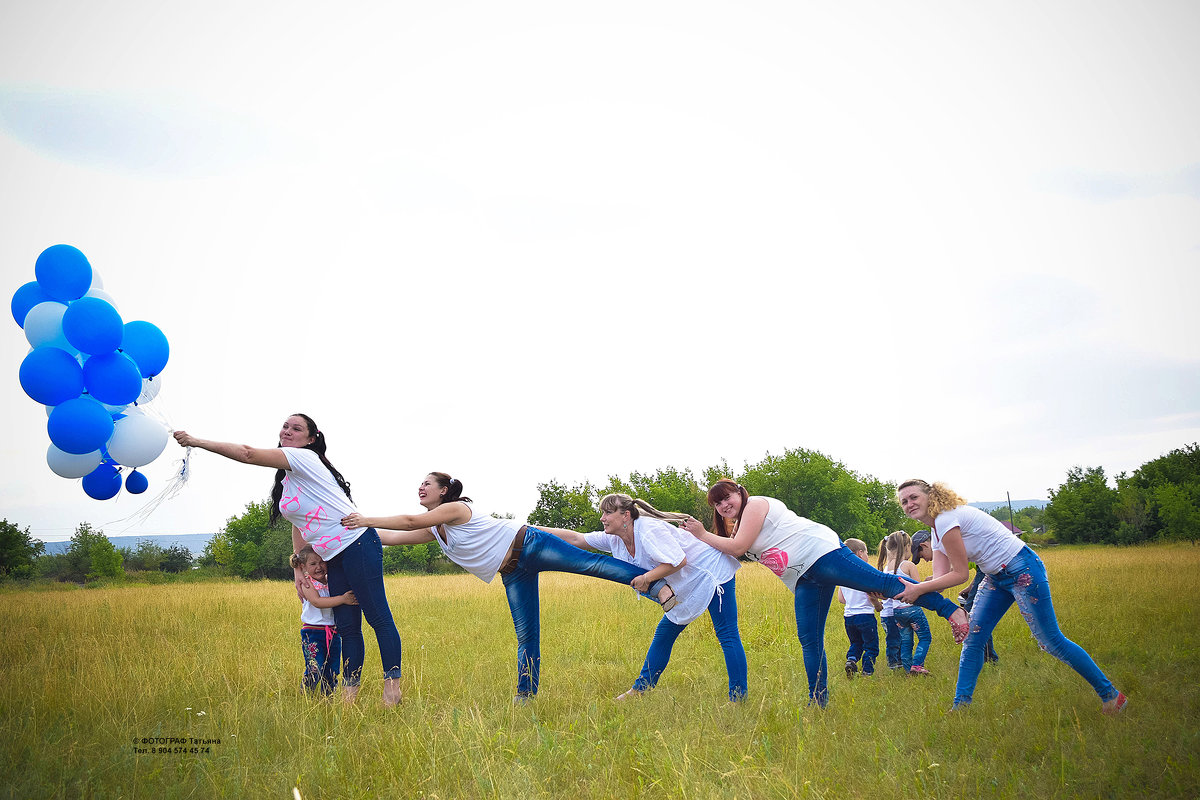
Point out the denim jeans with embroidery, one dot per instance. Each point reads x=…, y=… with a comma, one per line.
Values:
x=1023, y=580
x=322, y=658
x=723, y=611
x=545, y=552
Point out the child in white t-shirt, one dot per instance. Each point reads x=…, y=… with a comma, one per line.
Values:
x=319, y=639
x=859, y=618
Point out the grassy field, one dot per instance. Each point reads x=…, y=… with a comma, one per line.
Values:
x=89, y=674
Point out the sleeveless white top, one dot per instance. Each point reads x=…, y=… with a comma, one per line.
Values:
x=788, y=544
x=480, y=544
x=310, y=614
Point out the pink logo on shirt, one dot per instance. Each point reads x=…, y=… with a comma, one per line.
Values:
x=774, y=559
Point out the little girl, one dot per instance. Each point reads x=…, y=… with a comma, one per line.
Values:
x=319, y=639
x=886, y=614
x=907, y=618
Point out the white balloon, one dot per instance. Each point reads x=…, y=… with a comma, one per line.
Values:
x=68, y=465
x=43, y=326
x=150, y=389
x=137, y=440
x=97, y=282
x=101, y=295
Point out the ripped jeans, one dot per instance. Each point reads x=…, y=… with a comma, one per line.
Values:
x=1022, y=579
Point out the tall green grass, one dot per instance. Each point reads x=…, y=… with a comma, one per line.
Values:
x=86, y=674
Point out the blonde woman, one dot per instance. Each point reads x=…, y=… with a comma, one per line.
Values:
x=702, y=578
x=959, y=534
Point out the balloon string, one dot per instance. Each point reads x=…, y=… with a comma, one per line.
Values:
x=182, y=472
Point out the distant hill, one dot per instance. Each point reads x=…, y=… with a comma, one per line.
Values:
x=1016, y=504
x=194, y=542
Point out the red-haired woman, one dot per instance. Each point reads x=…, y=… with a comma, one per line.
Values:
x=811, y=561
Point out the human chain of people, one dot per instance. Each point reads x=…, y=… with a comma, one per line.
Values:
x=668, y=557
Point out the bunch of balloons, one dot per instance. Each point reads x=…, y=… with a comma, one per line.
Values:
x=92, y=371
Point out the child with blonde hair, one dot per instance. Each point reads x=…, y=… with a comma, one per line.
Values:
x=859, y=619
x=886, y=615
x=909, y=619
x=319, y=638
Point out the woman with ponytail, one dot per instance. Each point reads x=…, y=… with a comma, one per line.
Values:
x=958, y=534
x=811, y=561
x=702, y=578
x=311, y=494
x=484, y=546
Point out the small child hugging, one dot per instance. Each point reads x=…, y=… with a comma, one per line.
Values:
x=319, y=639
x=861, y=627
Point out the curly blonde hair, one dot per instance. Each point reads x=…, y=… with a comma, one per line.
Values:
x=941, y=497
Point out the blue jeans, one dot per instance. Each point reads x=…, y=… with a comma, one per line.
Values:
x=814, y=592
x=322, y=654
x=863, y=632
x=1022, y=579
x=723, y=611
x=892, y=633
x=910, y=620
x=359, y=568
x=544, y=552
x=989, y=651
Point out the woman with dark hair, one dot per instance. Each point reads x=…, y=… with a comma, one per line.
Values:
x=484, y=546
x=958, y=534
x=311, y=494
x=811, y=561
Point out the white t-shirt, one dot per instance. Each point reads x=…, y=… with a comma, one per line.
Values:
x=310, y=614
x=889, y=605
x=314, y=503
x=989, y=544
x=658, y=542
x=480, y=544
x=788, y=544
x=857, y=602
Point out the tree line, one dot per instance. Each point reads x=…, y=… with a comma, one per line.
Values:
x=1159, y=501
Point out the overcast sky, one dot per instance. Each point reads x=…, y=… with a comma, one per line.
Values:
x=529, y=241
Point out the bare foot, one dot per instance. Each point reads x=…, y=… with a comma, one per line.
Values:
x=391, y=692
x=1116, y=705
x=960, y=625
x=629, y=694
x=349, y=694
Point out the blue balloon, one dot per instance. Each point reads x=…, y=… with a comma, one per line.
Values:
x=79, y=425
x=26, y=298
x=50, y=376
x=63, y=272
x=112, y=378
x=102, y=483
x=136, y=483
x=146, y=345
x=93, y=326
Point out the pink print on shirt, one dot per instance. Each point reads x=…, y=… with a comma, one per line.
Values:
x=327, y=542
x=774, y=559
